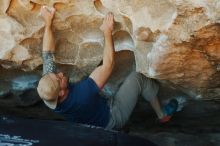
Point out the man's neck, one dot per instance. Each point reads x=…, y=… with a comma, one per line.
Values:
x=62, y=98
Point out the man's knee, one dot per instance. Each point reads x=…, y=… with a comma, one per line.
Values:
x=134, y=75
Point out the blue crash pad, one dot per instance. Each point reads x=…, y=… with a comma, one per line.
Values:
x=28, y=132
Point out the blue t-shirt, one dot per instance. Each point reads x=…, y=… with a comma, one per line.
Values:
x=84, y=104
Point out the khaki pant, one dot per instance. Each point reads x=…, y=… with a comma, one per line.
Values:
x=122, y=105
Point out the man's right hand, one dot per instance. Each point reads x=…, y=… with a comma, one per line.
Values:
x=47, y=13
x=108, y=23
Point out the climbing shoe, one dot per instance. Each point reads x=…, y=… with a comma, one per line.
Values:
x=169, y=109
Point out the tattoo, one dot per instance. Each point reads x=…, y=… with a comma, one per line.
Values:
x=49, y=65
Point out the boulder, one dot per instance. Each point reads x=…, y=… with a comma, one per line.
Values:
x=174, y=41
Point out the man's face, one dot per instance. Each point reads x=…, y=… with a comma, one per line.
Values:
x=62, y=79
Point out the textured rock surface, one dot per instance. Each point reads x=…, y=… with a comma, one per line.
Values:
x=196, y=125
x=177, y=41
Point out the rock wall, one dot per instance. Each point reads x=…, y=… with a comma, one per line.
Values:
x=174, y=41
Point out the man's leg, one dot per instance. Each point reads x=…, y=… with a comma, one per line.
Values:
x=126, y=98
x=155, y=103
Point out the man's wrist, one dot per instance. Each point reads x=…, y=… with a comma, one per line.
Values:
x=107, y=32
x=48, y=23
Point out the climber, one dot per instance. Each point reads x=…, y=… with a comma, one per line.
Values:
x=81, y=102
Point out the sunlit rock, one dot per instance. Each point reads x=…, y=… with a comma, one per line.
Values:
x=176, y=41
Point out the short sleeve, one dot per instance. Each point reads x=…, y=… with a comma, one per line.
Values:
x=93, y=85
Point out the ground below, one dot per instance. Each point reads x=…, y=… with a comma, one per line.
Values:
x=198, y=124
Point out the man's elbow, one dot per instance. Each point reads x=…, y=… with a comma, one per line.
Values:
x=112, y=65
x=109, y=66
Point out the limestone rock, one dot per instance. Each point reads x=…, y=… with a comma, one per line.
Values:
x=176, y=41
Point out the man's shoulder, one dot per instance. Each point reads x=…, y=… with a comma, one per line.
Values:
x=86, y=88
x=87, y=83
